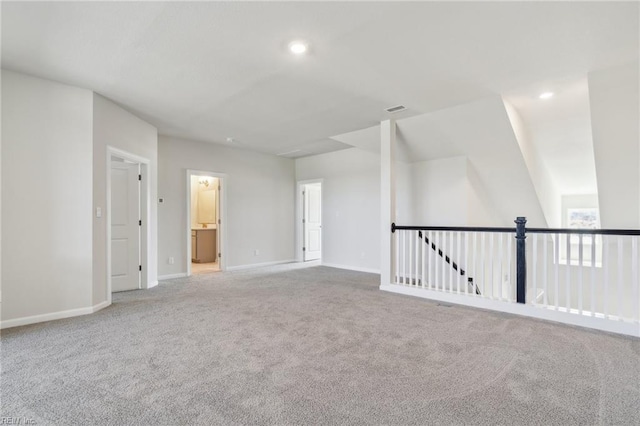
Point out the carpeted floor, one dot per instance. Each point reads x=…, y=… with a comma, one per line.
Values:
x=294, y=345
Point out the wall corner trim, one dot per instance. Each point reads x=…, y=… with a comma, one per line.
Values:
x=34, y=319
x=352, y=268
x=258, y=265
x=171, y=276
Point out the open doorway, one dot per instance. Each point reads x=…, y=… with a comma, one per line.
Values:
x=311, y=219
x=204, y=202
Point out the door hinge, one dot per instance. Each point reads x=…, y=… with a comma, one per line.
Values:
x=304, y=249
x=304, y=221
x=139, y=267
x=139, y=177
x=219, y=221
x=219, y=187
x=140, y=222
x=219, y=254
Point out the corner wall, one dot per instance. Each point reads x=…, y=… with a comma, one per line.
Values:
x=350, y=206
x=46, y=198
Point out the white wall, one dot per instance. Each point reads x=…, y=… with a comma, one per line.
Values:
x=350, y=206
x=614, y=98
x=115, y=127
x=46, y=197
x=440, y=192
x=546, y=190
x=260, y=202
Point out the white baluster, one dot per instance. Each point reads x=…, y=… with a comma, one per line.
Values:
x=423, y=253
x=557, y=271
x=437, y=262
x=510, y=296
x=459, y=261
x=445, y=269
x=500, y=275
x=491, y=259
x=417, y=263
x=397, y=272
x=580, y=273
x=605, y=270
x=431, y=260
x=620, y=271
x=466, y=262
x=535, y=267
x=568, y=275
x=634, y=278
x=450, y=266
x=482, y=265
x=593, y=275
x=545, y=266
x=410, y=257
x=475, y=258
x=404, y=257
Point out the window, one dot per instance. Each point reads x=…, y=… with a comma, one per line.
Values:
x=582, y=218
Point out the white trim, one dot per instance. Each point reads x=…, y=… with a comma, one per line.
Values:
x=152, y=284
x=259, y=265
x=145, y=212
x=299, y=238
x=172, y=276
x=222, y=210
x=620, y=327
x=34, y=319
x=351, y=268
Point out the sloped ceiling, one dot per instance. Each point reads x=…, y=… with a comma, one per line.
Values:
x=212, y=70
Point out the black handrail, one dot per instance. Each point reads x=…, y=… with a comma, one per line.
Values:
x=447, y=259
x=631, y=232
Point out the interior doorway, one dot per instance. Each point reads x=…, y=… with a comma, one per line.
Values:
x=204, y=217
x=311, y=214
x=127, y=215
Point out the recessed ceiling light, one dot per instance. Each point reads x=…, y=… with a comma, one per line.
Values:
x=298, y=47
x=546, y=95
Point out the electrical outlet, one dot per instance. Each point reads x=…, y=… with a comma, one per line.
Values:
x=256, y=252
x=171, y=260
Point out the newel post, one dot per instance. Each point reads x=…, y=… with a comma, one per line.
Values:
x=521, y=260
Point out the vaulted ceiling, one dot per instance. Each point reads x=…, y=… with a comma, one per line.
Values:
x=214, y=70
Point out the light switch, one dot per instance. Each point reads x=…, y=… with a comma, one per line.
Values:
x=98, y=212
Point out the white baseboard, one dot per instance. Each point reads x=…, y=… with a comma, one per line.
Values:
x=152, y=284
x=34, y=319
x=352, y=268
x=602, y=324
x=258, y=265
x=172, y=276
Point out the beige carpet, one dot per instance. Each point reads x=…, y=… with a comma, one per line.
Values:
x=294, y=345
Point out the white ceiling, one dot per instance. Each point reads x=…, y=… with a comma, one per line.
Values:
x=208, y=71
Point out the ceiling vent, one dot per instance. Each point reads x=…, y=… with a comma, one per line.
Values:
x=394, y=109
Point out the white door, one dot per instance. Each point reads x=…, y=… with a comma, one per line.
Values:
x=312, y=224
x=125, y=226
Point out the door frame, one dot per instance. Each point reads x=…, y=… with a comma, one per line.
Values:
x=222, y=214
x=299, y=217
x=145, y=214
